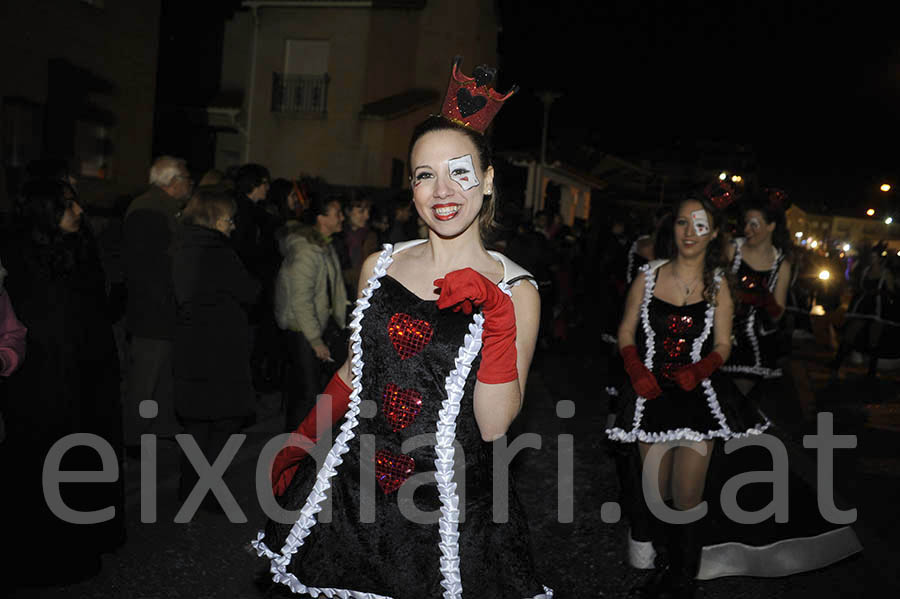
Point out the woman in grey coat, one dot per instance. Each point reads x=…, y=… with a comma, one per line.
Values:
x=310, y=300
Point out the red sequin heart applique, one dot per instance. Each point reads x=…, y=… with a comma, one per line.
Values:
x=409, y=335
x=392, y=470
x=400, y=406
x=674, y=347
x=679, y=324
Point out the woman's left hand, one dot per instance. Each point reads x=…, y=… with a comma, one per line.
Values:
x=688, y=377
x=461, y=289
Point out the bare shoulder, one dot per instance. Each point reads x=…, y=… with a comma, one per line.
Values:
x=525, y=296
x=640, y=279
x=785, y=267
x=368, y=266
x=723, y=293
x=645, y=247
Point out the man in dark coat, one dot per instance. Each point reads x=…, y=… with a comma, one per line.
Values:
x=254, y=241
x=148, y=233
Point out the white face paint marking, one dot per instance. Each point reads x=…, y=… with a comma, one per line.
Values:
x=462, y=170
x=701, y=222
x=754, y=224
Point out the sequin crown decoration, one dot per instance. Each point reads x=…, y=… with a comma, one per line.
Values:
x=720, y=193
x=777, y=198
x=471, y=101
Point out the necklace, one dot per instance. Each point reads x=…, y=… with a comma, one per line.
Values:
x=688, y=287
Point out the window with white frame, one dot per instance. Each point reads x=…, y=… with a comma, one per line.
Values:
x=303, y=84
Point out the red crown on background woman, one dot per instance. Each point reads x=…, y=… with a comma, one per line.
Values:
x=720, y=193
x=778, y=199
x=471, y=101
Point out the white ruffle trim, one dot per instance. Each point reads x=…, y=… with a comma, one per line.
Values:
x=750, y=329
x=738, y=254
x=446, y=433
x=756, y=368
x=638, y=434
x=307, y=518
x=631, y=252
x=766, y=373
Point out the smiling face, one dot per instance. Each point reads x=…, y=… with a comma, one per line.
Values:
x=694, y=229
x=756, y=230
x=448, y=181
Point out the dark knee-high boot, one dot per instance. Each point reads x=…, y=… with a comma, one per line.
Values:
x=684, y=561
x=873, y=363
x=842, y=351
x=659, y=533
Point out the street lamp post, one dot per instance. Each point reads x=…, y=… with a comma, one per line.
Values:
x=547, y=97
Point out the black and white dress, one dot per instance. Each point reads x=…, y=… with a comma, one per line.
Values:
x=755, y=349
x=410, y=428
x=670, y=337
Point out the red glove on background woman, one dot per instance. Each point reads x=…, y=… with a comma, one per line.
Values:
x=642, y=380
x=690, y=376
x=464, y=287
x=765, y=300
x=307, y=434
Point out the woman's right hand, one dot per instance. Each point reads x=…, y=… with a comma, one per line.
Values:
x=642, y=379
x=322, y=352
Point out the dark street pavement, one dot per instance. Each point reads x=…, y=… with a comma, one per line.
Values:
x=210, y=558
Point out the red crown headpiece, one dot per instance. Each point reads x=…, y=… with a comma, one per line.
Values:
x=777, y=198
x=720, y=193
x=471, y=101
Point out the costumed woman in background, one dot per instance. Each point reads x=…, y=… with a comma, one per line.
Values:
x=674, y=337
x=451, y=363
x=763, y=276
x=802, y=540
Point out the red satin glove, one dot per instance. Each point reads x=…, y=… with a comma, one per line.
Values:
x=465, y=287
x=766, y=301
x=307, y=434
x=688, y=377
x=642, y=380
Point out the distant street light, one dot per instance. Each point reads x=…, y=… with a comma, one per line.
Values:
x=798, y=234
x=846, y=247
x=736, y=178
x=870, y=212
x=723, y=175
x=885, y=187
x=888, y=220
x=824, y=275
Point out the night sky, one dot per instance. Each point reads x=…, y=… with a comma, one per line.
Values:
x=813, y=87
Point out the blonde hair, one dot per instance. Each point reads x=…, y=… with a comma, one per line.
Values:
x=208, y=205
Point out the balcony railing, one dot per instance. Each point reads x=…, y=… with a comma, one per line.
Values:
x=299, y=93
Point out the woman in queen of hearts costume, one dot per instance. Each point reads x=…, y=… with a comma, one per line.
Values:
x=674, y=337
x=442, y=337
x=763, y=274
